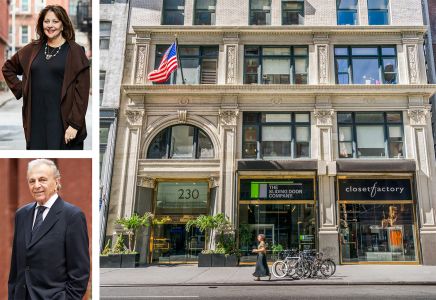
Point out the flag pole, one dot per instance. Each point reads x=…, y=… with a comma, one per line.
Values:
x=178, y=59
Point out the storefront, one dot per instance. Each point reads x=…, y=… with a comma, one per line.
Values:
x=377, y=220
x=176, y=202
x=280, y=207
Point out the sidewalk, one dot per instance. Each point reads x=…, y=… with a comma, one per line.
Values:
x=191, y=275
x=6, y=97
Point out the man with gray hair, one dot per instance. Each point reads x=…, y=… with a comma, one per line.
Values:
x=50, y=257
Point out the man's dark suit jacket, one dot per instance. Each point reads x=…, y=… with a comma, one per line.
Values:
x=54, y=263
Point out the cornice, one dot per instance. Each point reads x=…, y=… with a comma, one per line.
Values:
x=426, y=90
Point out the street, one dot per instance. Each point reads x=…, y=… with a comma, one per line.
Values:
x=11, y=128
x=385, y=292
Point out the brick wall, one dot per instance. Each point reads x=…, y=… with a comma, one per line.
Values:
x=4, y=32
x=76, y=188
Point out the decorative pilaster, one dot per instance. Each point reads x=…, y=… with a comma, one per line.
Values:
x=412, y=64
x=142, y=49
x=321, y=42
x=231, y=41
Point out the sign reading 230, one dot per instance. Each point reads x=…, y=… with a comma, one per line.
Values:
x=188, y=194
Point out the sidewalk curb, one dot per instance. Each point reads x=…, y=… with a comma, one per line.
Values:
x=269, y=283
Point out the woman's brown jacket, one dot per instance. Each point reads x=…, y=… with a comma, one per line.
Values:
x=75, y=87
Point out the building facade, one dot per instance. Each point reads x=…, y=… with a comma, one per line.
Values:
x=307, y=121
x=4, y=30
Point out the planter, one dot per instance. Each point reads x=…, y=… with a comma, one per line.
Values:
x=110, y=261
x=205, y=260
x=218, y=260
x=232, y=260
x=129, y=260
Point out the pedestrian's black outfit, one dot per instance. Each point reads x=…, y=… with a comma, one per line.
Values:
x=47, y=132
x=262, y=269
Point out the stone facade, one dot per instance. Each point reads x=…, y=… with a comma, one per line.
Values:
x=146, y=109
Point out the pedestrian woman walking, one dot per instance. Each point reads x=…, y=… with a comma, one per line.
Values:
x=262, y=269
x=54, y=84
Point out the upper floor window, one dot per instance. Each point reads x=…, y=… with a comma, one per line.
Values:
x=366, y=65
x=370, y=134
x=181, y=142
x=24, y=35
x=105, y=34
x=260, y=12
x=292, y=12
x=276, y=135
x=102, y=82
x=25, y=6
x=378, y=12
x=199, y=64
x=346, y=12
x=204, y=12
x=276, y=65
x=173, y=12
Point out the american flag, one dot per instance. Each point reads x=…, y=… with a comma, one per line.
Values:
x=166, y=67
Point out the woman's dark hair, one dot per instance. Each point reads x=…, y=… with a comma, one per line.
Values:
x=262, y=237
x=61, y=14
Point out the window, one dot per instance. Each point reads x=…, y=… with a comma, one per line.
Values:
x=276, y=65
x=105, y=34
x=378, y=12
x=199, y=64
x=292, y=12
x=173, y=12
x=107, y=1
x=346, y=12
x=102, y=82
x=10, y=34
x=205, y=12
x=181, y=142
x=24, y=35
x=366, y=65
x=260, y=12
x=276, y=135
x=25, y=6
x=370, y=134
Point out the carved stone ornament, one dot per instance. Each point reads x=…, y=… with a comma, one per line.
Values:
x=140, y=64
x=146, y=182
x=213, y=182
x=183, y=100
x=323, y=64
x=231, y=64
x=324, y=117
x=276, y=101
x=134, y=116
x=229, y=117
x=418, y=116
x=413, y=65
x=182, y=116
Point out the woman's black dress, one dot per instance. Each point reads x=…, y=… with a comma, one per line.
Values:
x=262, y=269
x=47, y=132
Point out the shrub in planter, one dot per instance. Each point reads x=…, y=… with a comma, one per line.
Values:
x=129, y=260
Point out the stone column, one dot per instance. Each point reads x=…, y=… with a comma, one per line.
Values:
x=322, y=47
x=328, y=229
x=228, y=124
x=231, y=48
x=141, y=57
x=421, y=138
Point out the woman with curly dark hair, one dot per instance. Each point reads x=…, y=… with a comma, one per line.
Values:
x=54, y=85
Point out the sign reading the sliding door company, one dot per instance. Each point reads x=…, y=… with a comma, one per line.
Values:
x=289, y=189
x=375, y=189
x=182, y=197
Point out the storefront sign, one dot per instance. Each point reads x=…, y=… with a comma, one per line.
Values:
x=182, y=195
x=375, y=189
x=292, y=189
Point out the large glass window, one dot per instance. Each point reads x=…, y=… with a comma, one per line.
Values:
x=276, y=135
x=378, y=12
x=199, y=64
x=276, y=65
x=366, y=65
x=173, y=12
x=260, y=12
x=105, y=34
x=292, y=12
x=370, y=134
x=205, y=12
x=181, y=142
x=347, y=12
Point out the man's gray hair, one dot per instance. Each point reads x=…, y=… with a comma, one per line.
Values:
x=47, y=162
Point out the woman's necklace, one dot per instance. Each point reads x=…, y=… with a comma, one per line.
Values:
x=50, y=54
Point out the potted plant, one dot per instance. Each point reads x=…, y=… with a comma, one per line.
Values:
x=111, y=258
x=276, y=250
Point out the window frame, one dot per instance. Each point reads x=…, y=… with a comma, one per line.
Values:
x=380, y=57
x=29, y=6
x=28, y=35
x=195, y=143
x=198, y=10
x=101, y=86
x=292, y=10
x=259, y=123
x=252, y=11
x=386, y=10
x=106, y=36
x=292, y=57
x=165, y=11
x=355, y=143
x=356, y=11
